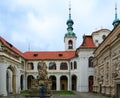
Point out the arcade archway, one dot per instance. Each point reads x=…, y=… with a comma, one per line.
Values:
x=53, y=79
x=29, y=81
x=63, y=83
x=11, y=79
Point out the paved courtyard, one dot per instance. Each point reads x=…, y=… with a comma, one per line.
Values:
x=77, y=95
x=81, y=95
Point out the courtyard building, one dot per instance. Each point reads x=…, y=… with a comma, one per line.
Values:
x=71, y=69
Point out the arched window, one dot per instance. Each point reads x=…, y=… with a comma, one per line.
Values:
x=39, y=65
x=90, y=61
x=30, y=66
x=75, y=65
x=63, y=66
x=70, y=44
x=103, y=37
x=52, y=66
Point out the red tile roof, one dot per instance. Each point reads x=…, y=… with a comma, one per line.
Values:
x=58, y=55
x=87, y=42
x=10, y=46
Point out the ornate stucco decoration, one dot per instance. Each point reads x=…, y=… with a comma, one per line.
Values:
x=116, y=72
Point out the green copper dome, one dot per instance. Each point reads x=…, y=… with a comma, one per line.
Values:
x=115, y=22
x=70, y=23
x=70, y=32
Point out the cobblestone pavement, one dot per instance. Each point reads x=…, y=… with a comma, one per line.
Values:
x=77, y=95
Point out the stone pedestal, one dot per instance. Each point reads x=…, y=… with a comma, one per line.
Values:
x=39, y=92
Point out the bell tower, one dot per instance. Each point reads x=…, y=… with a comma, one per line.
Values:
x=70, y=36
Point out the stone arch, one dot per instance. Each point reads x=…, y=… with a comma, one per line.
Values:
x=74, y=82
x=11, y=79
x=63, y=83
x=29, y=81
x=90, y=83
x=53, y=79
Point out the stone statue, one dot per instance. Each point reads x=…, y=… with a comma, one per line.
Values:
x=42, y=75
x=41, y=82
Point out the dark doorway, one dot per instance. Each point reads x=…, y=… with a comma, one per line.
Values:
x=90, y=83
x=29, y=81
x=118, y=90
x=63, y=83
x=21, y=82
x=53, y=79
x=74, y=82
x=100, y=88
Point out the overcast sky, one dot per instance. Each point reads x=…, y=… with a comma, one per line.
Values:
x=42, y=23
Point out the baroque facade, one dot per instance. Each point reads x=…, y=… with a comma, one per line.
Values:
x=68, y=70
x=107, y=65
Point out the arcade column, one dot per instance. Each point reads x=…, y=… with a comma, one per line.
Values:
x=58, y=82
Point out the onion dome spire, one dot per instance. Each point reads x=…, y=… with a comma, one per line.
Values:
x=116, y=20
x=70, y=23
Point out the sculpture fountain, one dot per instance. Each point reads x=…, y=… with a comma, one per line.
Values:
x=42, y=85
